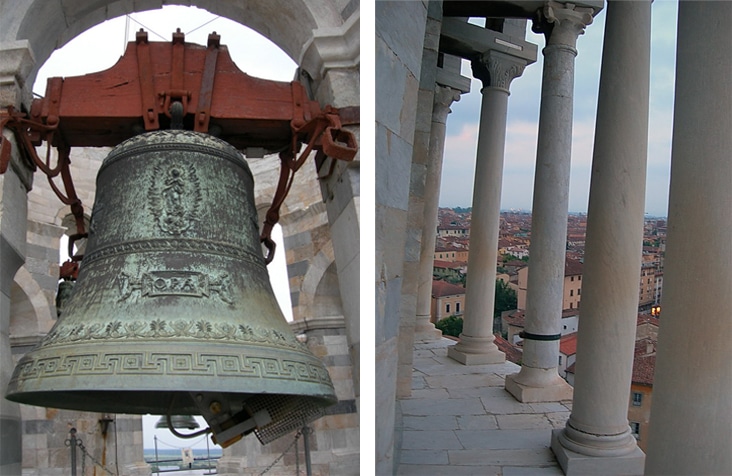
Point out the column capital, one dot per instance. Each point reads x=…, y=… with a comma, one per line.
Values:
x=16, y=62
x=497, y=70
x=443, y=99
x=562, y=23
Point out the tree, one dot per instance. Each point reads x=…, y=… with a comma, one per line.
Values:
x=450, y=326
x=506, y=298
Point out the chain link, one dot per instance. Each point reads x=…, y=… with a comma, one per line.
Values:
x=83, y=459
x=297, y=436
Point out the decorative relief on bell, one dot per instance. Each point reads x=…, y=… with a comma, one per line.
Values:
x=151, y=363
x=176, y=283
x=172, y=329
x=175, y=197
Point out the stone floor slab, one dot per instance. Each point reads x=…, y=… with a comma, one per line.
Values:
x=430, y=440
x=431, y=457
x=523, y=421
x=464, y=381
x=425, y=407
x=504, y=405
x=518, y=457
x=547, y=407
x=440, y=393
x=504, y=439
x=443, y=470
x=488, y=392
x=433, y=422
x=477, y=422
x=450, y=425
x=532, y=471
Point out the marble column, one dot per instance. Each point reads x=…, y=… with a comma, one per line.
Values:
x=538, y=379
x=691, y=418
x=597, y=438
x=496, y=70
x=16, y=60
x=444, y=96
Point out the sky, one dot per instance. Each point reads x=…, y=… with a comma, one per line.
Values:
x=100, y=47
x=523, y=122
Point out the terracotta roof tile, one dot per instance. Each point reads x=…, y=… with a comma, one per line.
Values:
x=513, y=354
x=443, y=288
x=568, y=344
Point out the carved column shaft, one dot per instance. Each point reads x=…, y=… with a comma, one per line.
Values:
x=597, y=434
x=538, y=379
x=444, y=97
x=690, y=430
x=476, y=345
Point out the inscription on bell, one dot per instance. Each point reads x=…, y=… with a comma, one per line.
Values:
x=175, y=283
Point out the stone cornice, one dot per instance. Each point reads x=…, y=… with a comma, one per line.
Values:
x=332, y=47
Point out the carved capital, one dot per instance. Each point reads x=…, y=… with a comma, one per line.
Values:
x=497, y=70
x=444, y=97
x=562, y=23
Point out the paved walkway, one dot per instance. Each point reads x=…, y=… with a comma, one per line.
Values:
x=460, y=421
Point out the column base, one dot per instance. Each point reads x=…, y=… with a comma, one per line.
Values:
x=558, y=390
x=490, y=356
x=427, y=334
x=576, y=464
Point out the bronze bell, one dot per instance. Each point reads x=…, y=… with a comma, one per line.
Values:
x=173, y=312
x=178, y=421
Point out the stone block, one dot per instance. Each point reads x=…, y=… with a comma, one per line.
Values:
x=385, y=374
x=405, y=38
x=391, y=75
x=393, y=169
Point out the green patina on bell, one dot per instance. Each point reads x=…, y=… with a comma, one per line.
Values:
x=173, y=312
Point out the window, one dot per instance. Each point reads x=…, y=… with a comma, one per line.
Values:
x=635, y=429
x=637, y=399
x=571, y=305
x=447, y=308
x=571, y=292
x=560, y=360
x=579, y=291
x=571, y=278
x=579, y=278
x=457, y=307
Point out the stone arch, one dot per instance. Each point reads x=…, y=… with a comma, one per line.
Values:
x=318, y=278
x=30, y=315
x=316, y=35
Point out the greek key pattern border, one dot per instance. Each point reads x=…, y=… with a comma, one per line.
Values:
x=182, y=245
x=151, y=363
x=181, y=329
